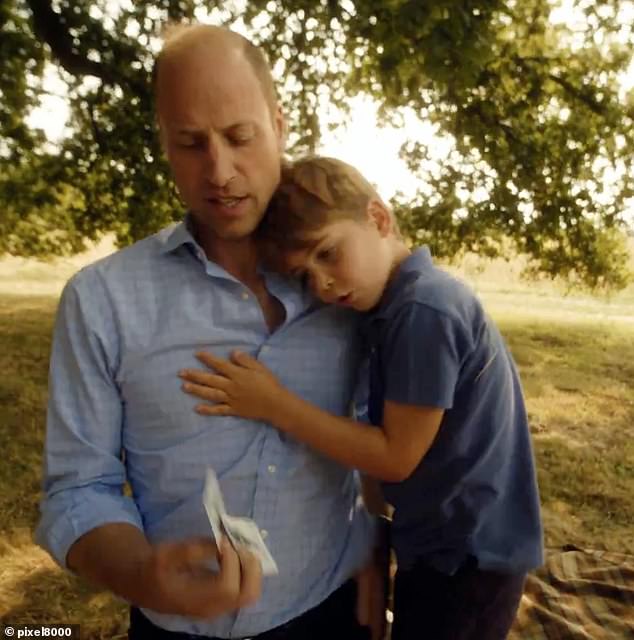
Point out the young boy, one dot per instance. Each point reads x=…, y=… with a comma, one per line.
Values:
x=453, y=448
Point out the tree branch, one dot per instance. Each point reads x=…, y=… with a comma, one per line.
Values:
x=55, y=29
x=50, y=27
x=593, y=105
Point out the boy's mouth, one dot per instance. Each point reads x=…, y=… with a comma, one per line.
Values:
x=346, y=299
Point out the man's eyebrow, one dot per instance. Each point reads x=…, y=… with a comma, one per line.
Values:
x=245, y=124
x=193, y=130
x=189, y=131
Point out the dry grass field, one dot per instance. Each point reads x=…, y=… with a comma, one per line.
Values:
x=575, y=354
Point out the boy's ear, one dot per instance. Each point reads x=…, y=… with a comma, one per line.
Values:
x=379, y=215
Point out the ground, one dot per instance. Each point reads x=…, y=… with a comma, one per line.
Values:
x=576, y=358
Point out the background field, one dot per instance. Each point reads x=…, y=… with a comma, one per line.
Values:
x=575, y=353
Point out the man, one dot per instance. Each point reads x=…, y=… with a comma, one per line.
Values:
x=127, y=324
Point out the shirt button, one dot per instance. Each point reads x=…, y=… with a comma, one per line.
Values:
x=272, y=468
x=266, y=349
x=264, y=533
x=245, y=295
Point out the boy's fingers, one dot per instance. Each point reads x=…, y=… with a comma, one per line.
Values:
x=218, y=364
x=204, y=378
x=206, y=393
x=245, y=360
x=214, y=410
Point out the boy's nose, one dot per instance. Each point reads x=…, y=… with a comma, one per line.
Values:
x=325, y=288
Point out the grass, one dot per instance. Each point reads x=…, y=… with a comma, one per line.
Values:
x=575, y=354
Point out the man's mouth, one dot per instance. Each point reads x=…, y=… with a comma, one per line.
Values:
x=227, y=202
x=345, y=299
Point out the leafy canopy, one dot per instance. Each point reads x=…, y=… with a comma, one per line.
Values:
x=541, y=130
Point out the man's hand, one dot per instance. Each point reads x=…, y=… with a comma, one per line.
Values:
x=372, y=599
x=175, y=579
x=169, y=577
x=241, y=387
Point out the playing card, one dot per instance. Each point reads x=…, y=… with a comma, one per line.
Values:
x=245, y=533
x=214, y=504
x=240, y=531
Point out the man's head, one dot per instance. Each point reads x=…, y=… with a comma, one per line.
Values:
x=328, y=224
x=221, y=127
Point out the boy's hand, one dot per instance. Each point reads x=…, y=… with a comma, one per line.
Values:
x=241, y=387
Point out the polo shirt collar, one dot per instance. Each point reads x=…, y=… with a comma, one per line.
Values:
x=408, y=271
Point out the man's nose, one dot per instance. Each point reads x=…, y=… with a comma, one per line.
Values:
x=220, y=167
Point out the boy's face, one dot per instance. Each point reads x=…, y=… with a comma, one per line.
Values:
x=347, y=262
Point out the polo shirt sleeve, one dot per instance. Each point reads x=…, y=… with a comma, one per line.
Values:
x=423, y=352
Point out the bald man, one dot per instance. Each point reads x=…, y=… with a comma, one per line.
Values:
x=127, y=324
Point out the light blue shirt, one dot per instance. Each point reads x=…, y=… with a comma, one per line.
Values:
x=125, y=327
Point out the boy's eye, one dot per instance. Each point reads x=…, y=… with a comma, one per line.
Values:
x=326, y=254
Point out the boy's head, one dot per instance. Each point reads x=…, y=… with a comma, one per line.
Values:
x=327, y=223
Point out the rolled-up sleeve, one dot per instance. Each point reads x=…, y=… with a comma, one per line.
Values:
x=83, y=470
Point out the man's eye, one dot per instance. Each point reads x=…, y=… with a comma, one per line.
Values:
x=239, y=141
x=188, y=144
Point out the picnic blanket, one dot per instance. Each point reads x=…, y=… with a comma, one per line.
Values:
x=578, y=595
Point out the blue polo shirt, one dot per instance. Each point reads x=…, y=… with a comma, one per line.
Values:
x=475, y=492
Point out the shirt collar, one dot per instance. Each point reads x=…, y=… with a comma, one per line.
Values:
x=178, y=235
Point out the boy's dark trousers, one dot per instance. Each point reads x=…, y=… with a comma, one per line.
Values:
x=470, y=605
x=334, y=619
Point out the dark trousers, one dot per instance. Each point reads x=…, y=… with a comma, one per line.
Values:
x=470, y=605
x=334, y=619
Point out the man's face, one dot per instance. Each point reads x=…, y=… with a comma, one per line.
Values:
x=222, y=141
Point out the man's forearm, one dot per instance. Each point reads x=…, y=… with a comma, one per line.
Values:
x=112, y=556
x=342, y=439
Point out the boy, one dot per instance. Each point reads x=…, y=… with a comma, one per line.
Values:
x=453, y=448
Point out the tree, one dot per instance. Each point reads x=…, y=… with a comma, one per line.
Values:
x=543, y=135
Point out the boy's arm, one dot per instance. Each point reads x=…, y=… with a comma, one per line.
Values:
x=391, y=453
x=248, y=389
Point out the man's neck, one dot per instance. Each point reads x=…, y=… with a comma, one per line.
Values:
x=239, y=256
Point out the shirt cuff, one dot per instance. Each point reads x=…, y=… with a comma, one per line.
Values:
x=69, y=515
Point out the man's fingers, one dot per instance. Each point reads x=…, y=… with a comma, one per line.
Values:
x=206, y=393
x=251, y=583
x=217, y=364
x=229, y=577
x=215, y=410
x=190, y=553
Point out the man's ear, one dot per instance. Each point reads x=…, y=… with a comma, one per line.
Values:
x=379, y=215
x=279, y=123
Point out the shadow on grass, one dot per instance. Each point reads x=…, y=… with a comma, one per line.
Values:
x=50, y=595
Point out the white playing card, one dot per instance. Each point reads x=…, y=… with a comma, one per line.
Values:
x=240, y=531
x=244, y=532
x=214, y=504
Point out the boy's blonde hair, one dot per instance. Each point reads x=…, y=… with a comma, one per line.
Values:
x=314, y=191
